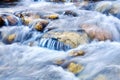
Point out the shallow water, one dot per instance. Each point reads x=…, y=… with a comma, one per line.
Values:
x=27, y=53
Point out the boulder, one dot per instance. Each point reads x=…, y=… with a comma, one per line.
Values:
x=95, y=32
x=9, y=19
x=12, y=20
x=72, y=38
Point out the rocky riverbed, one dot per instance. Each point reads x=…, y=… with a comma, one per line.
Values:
x=60, y=40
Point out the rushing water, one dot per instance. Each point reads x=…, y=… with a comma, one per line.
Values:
x=38, y=37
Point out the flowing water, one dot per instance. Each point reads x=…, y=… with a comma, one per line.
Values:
x=37, y=38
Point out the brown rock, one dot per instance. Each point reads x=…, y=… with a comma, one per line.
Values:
x=2, y=23
x=95, y=32
x=12, y=20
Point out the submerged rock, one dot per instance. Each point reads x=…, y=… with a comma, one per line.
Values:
x=59, y=61
x=77, y=53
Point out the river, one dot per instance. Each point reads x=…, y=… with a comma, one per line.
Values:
x=60, y=40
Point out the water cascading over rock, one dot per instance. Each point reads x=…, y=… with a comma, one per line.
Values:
x=60, y=40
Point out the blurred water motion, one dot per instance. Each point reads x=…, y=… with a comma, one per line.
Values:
x=59, y=40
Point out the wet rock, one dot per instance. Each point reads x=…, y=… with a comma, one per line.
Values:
x=11, y=37
x=2, y=23
x=95, y=32
x=73, y=39
x=39, y=25
x=75, y=68
x=12, y=20
x=52, y=16
x=70, y=13
x=27, y=17
x=77, y=53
